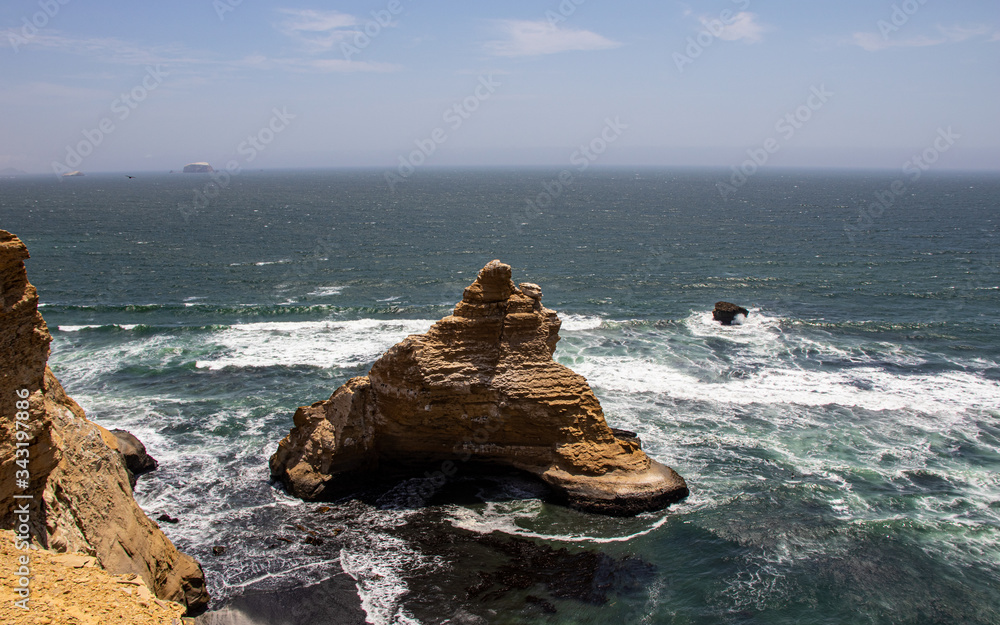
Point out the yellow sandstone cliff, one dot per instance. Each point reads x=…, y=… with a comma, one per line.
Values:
x=81, y=498
x=480, y=387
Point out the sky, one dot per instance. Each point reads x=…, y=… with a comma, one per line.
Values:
x=102, y=86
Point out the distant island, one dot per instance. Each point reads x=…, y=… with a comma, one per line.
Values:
x=11, y=171
x=73, y=173
x=198, y=168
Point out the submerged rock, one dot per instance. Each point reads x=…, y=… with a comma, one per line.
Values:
x=725, y=312
x=78, y=484
x=480, y=387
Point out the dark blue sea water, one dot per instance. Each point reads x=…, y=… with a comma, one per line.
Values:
x=842, y=445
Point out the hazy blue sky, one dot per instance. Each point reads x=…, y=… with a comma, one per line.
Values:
x=319, y=84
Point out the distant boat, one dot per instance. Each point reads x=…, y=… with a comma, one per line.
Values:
x=198, y=168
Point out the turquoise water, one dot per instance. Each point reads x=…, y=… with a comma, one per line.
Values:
x=841, y=446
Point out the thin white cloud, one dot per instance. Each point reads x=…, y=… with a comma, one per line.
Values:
x=962, y=33
x=318, y=31
x=313, y=64
x=340, y=65
x=741, y=27
x=174, y=56
x=48, y=92
x=873, y=42
x=108, y=49
x=537, y=37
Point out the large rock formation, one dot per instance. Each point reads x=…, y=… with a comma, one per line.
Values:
x=81, y=498
x=480, y=387
x=198, y=168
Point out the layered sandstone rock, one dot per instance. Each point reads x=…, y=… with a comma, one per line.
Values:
x=81, y=498
x=73, y=588
x=480, y=387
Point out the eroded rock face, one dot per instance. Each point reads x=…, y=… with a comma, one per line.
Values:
x=81, y=495
x=137, y=459
x=479, y=387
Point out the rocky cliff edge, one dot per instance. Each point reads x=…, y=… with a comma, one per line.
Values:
x=80, y=496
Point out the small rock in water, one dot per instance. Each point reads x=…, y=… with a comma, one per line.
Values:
x=218, y=550
x=726, y=313
x=137, y=460
x=166, y=518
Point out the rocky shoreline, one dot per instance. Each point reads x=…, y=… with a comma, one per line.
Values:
x=74, y=490
x=478, y=395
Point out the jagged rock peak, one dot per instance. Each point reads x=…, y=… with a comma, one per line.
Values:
x=493, y=284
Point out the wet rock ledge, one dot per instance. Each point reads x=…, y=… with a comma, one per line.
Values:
x=480, y=389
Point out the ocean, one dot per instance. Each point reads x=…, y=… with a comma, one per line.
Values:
x=842, y=445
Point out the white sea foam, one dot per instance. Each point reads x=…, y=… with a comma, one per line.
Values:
x=120, y=326
x=262, y=263
x=767, y=364
x=505, y=517
x=869, y=387
x=756, y=328
x=326, y=291
x=377, y=575
x=577, y=323
x=377, y=562
x=312, y=343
